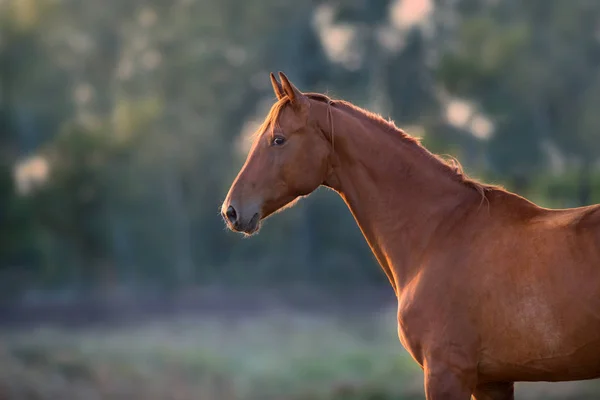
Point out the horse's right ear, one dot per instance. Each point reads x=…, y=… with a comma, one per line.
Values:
x=277, y=88
x=297, y=99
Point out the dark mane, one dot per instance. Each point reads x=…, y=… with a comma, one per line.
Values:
x=448, y=164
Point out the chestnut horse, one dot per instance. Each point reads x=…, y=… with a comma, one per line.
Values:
x=491, y=288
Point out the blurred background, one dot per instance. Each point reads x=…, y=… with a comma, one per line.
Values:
x=123, y=123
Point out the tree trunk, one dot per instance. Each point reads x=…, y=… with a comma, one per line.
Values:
x=181, y=230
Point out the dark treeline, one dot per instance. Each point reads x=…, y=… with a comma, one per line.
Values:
x=122, y=124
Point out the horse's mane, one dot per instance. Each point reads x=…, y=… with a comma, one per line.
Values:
x=447, y=163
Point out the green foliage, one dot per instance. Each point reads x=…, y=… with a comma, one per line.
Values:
x=137, y=107
x=17, y=235
x=533, y=69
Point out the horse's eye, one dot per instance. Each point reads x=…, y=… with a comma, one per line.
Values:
x=278, y=140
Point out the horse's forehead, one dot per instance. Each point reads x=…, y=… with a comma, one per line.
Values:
x=285, y=115
x=287, y=119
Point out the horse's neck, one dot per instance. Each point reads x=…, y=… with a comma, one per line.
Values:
x=398, y=193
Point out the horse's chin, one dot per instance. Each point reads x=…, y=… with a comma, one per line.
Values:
x=251, y=231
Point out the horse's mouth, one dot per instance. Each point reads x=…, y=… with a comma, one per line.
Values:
x=249, y=228
x=252, y=226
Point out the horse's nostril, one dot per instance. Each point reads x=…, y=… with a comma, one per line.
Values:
x=231, y=214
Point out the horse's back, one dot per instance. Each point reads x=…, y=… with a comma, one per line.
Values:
x=588, y=223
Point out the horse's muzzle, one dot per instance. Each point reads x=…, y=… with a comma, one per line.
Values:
x=236, y=222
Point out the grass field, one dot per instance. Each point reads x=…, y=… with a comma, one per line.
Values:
x=275, y=355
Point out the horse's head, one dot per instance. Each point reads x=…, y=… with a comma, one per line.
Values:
x=288, y=159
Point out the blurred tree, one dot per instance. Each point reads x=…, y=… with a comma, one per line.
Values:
x=73, y=203
x=21, y=33
x=533, y=70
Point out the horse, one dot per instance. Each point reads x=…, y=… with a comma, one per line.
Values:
x=492, y=289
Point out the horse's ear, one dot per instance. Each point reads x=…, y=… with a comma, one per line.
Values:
x=296, y=97
x=277, y=87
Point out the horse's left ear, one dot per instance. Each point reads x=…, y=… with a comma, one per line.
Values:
x=277, y=87
x=296, y=97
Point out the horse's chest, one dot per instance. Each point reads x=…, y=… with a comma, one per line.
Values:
x=410, y=340
x=428, y=323
x=410, y=327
